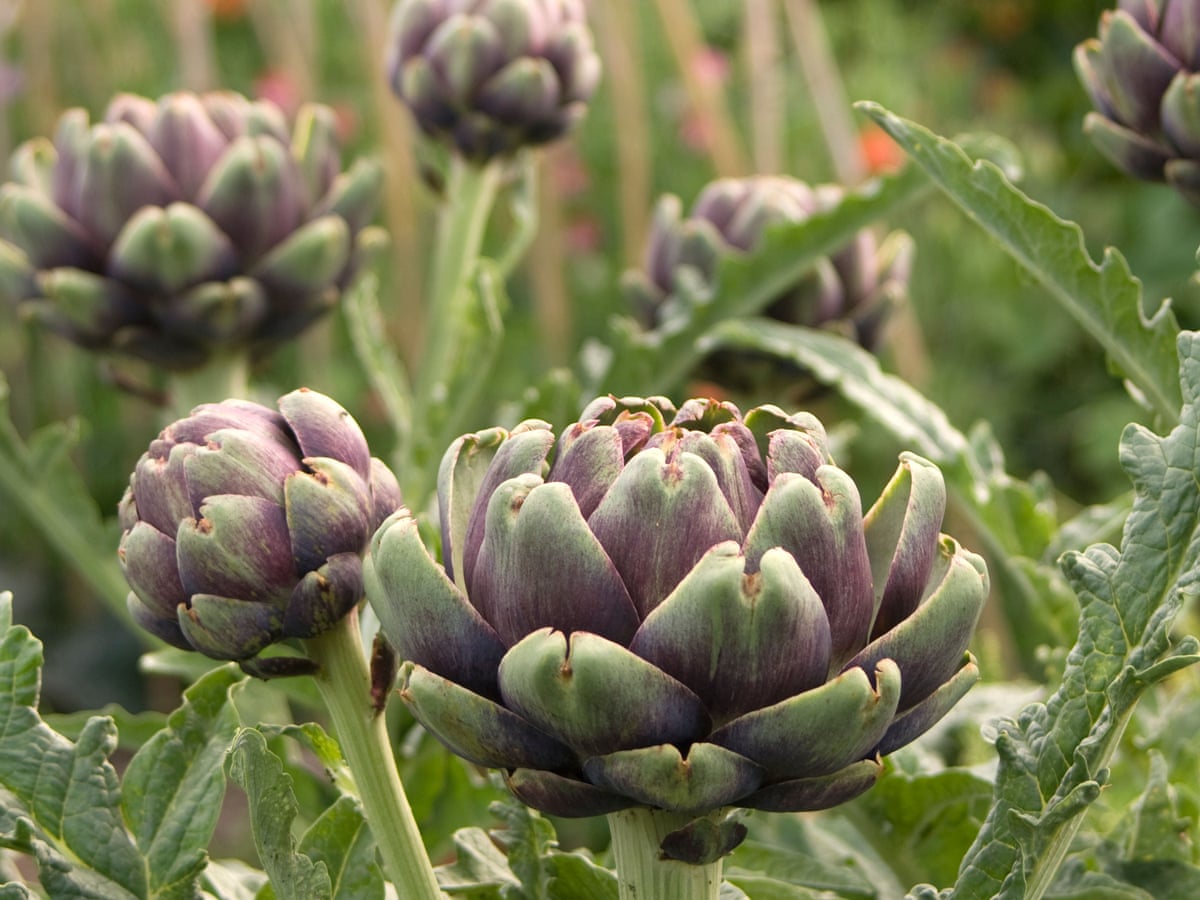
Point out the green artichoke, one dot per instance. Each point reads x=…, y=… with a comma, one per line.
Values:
x=489, y=77
x=244, y=526
x=1143, y=77
x=176, y=230
x=677, y=609
x=854, y=289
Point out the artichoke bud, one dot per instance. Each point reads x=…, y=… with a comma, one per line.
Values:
x=731, y=216
x=219, y=228
x=685, y=609
x=1140, y=74
x=244, y=526
x=496, y=76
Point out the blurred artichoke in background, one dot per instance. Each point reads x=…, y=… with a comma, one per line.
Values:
x=244, y=526
x=492, y=76
x=683, y=610
x=176, y=230
x=1143, y=77
x=851, y=291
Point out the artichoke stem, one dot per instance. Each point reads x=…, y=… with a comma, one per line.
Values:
x=224, y=377
x=643, y=872
x=470, y=195
x=345, y=686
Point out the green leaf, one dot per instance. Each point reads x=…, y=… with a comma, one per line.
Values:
x=39, y=480
x=479, y=867
x=576, y=876
x=1105, y=299
x=273, y=808
x=341, y=841
x=173, y=787
x=527, y=837
x=649, y=362
x=1054, y=756
x=763, y=870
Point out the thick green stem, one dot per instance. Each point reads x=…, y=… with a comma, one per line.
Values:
x=222, y=378
x=642, y=871
x=345, y=685
x=470, y=194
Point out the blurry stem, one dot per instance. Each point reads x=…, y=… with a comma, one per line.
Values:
x=552, y=306
x=222, y=378
x=616, y=30
x=825, y=86
x=470, y=193
x=642, y=871
x=192, y=22
x=766, y=86
x=345, y=685
x=378, y=358
x=523, y=205
x=687, y=44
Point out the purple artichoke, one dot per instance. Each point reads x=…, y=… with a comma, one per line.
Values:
x=176, y=230
x=492, y=76
x=1143, y=77
x=682, y=610
x=244, y=526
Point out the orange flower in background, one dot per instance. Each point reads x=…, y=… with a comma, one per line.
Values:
x=879, y=152
x=227, y=10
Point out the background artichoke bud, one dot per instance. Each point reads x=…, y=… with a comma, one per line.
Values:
x=851, y=291
x=681, y=609
x=491, y=76
x=176, y=229
x=1143, y=76
x=243, y=526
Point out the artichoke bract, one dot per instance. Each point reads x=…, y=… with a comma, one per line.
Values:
x=244, y=525
x=684, y=610
x=489, y=77
x=179, y=229
x=1143, y=76
x=853, y=289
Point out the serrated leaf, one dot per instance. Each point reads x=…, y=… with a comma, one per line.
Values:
x=68, y=792
x=133, y=729
x=232, y=879
x=650, y=362
x=1053, y=757
x=478, y=864
x=341, y=840
x=1105, y=299
x=172, y=791
x=790, y=872
x=575, y=876
x=273, y=808
x=527, y=838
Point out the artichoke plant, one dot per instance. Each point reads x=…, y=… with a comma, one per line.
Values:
x=243, y=525
x=1143, y=77
x=176, y=230
x=489, y=77
x=853, y=290
x=684, y=610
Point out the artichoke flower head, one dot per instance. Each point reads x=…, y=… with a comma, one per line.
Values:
x=1143, y=76
x=683, y=609
x=489, y=77
x=244, y=525
x=179, y=229
x=851, y=292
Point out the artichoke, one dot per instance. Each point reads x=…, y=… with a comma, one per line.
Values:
x=243, y=526
x=853, y=290
x=178, y=230
x=489, y=77
x=684, y=610
x=1143, y=77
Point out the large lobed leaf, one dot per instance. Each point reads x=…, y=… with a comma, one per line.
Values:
x=91, y=836
x=1053, y=755
x=1105, y=299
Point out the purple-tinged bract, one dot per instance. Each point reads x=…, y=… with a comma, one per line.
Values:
x=684, y=609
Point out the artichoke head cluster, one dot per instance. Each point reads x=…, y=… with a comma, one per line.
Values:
x=1143, y=76
x=684, y=609
x=176, y=230
x=244, y=525
x=852, y=290
x=489, y=77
